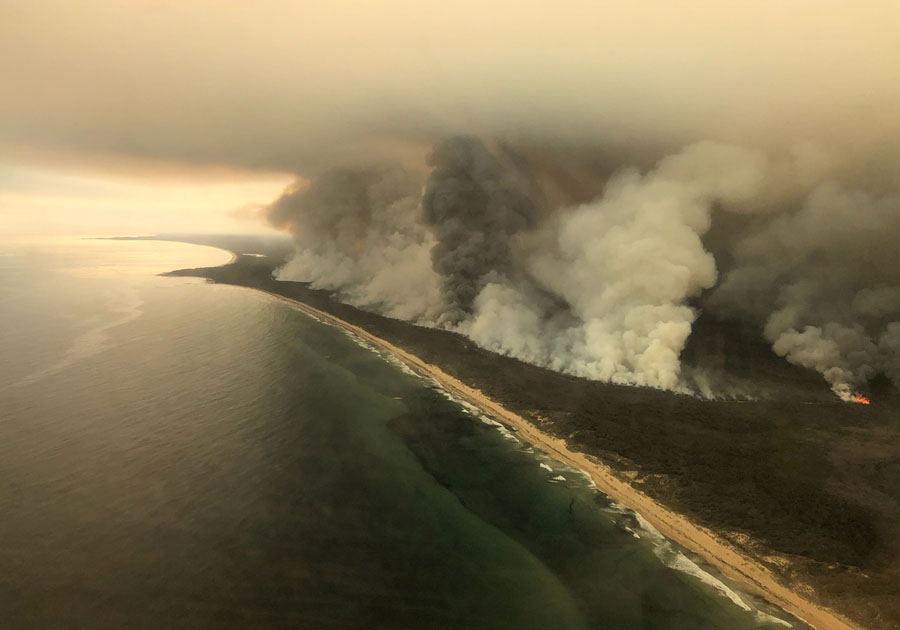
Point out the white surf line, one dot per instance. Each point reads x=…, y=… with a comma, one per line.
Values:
x=720, y=554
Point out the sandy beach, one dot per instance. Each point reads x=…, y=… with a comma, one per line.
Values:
x=731, y=562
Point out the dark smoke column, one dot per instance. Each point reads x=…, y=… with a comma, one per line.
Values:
x=475, y=201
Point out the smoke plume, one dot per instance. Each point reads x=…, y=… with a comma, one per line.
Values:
x=621, y=268
x=486, y=245
x=569, y=185
x=822, y=281
x=474, y=204
x=360, y=234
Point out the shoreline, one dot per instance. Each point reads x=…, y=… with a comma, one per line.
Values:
x=724, y=557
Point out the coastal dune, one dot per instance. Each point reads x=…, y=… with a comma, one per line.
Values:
x=723, y=556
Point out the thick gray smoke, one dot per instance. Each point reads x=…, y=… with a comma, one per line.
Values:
x=474, y=203
x=360, y=234
x=823, y=281
x=604, y=289
x=534, y=238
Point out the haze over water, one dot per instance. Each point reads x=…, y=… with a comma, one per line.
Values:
x=178, y=454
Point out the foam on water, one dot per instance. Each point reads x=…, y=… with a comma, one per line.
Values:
x=677, y=560
x=765, y=618
x=662, y=547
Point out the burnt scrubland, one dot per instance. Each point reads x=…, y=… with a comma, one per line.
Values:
x=805, y=483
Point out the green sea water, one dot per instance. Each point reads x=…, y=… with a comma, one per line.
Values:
x=175, y=454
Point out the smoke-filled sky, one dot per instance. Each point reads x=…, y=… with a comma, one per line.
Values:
x=298, y=86
x=568, y=183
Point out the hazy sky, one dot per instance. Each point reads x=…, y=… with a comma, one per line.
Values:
x=157, y=115
x=36, y=202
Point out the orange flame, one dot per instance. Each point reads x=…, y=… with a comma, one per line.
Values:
x=859, y=398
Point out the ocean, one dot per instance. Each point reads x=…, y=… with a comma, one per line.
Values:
x=176, y=454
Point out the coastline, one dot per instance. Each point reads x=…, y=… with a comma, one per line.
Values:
x=720, y=554
x=647, y=450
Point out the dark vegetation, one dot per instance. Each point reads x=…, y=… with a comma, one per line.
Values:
x=797, y=471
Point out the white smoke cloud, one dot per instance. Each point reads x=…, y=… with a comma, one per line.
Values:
x=624, y=265
x=609, y=290
x=360, y=234
x=519, y=248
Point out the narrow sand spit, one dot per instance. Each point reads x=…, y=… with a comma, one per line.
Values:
x=719, y=553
